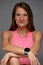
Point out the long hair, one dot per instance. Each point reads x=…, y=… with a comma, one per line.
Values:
x=27, y=8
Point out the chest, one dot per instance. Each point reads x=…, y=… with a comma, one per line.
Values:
x=26, y=41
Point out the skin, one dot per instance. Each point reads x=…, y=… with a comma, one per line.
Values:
x=21, y=18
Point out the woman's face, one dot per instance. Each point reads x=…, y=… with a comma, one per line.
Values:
x=21, y=17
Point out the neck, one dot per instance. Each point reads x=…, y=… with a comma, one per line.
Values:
x=22, y=31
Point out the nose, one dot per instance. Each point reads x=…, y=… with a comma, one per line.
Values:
x=21, y=17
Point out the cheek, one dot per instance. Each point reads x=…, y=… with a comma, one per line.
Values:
x=26, y=19
x=16, y=19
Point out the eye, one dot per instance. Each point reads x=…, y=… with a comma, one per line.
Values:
x=17, y=14
x=25, y=14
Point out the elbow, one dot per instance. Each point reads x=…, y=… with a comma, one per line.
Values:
x=4, y=48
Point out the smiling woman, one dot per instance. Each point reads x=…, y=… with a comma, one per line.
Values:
x=21, y=17
x=21, y=42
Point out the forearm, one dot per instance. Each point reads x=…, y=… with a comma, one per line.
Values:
x=13, y=49
x=36, y=48
x=10, y=54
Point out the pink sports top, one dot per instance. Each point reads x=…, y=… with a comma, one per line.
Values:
x=26, y=41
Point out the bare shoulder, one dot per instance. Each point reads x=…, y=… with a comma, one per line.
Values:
x=37, y=35
x=6, y=34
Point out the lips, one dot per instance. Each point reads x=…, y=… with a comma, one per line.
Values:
x=21, y=22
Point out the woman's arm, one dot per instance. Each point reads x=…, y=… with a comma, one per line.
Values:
x=37, y=36
x=32, y=54
x=6, y=46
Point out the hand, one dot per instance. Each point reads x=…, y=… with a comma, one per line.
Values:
x=33, y=59
x=6, y=57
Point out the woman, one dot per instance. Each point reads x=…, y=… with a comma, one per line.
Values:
x=21, y=42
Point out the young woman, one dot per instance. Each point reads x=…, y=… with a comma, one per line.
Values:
x=21, y=42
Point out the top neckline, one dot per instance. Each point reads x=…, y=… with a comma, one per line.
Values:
x=21, y=35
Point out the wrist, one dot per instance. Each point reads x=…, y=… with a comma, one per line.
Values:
x=31, y=53
x=26, y=50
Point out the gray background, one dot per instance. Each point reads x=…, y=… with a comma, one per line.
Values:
x=6, y=7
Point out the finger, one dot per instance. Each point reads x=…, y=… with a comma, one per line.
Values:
x=31, y=63
x=2, y=63
x=34, y=62
x=38, y=63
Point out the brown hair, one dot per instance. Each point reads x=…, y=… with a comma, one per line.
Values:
x=27, y=8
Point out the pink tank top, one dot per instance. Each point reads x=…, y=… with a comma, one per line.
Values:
x=26, y=41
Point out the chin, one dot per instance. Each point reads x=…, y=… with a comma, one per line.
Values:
x=22, y=25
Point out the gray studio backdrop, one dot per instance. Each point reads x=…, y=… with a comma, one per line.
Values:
x=6, y=7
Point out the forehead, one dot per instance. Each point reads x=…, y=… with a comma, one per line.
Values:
x=20, y=10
